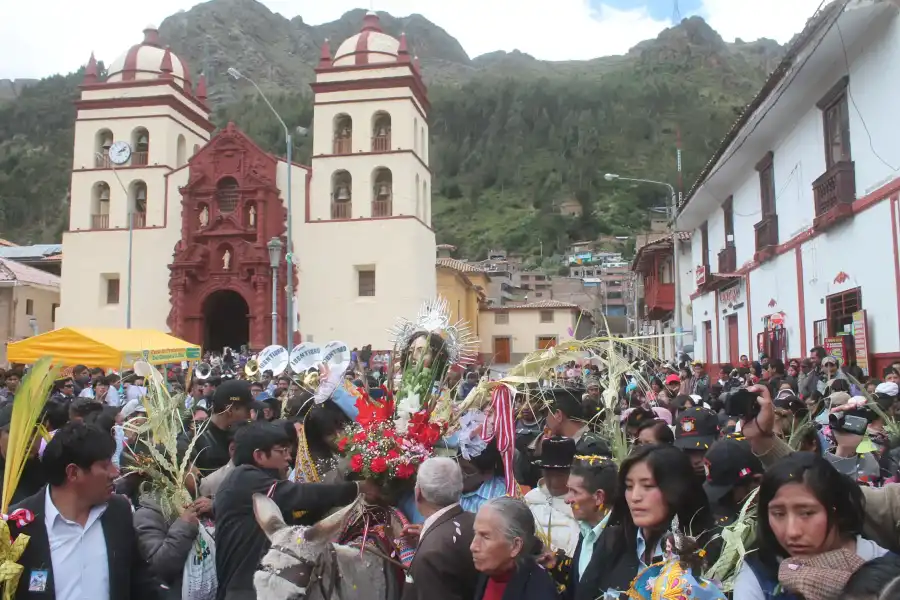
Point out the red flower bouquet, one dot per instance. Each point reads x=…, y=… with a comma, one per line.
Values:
x=378, y=451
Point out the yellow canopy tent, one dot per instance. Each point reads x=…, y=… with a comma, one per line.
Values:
x=110, y=348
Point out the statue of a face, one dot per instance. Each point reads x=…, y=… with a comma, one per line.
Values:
x=421, y=351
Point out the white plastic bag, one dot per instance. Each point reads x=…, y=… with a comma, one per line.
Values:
x=199, y=582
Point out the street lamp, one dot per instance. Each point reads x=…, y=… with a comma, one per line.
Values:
x=289, y=257
x=679, y=343
x=128, y=203
x=275, y=246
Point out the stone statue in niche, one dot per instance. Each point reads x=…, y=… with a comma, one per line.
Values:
x=226, y=260
x=204, y=217
x=252, y=216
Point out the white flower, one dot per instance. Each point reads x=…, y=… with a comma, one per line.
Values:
x=401, y=424
x=410, y=404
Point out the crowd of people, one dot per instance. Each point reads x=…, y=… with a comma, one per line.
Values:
x=614, y=484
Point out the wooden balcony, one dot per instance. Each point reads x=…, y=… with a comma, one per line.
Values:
x=341, y=210
x=99, y=221
x=139, y=220
x=834, y=192
x=139, y=159
x=381, y=143
x=766, y=238
x=101, y=160
x=342, y=146
x=727, y=260
x=659, y=298
x=381, y=207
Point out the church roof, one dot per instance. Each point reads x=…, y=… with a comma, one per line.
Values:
x=148, y=60
x=371, y=45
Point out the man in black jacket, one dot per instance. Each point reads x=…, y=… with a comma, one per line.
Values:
x=261, y=454
x=82, y=541
x=231, y=403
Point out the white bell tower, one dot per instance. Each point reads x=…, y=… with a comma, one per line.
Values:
x=368, y=223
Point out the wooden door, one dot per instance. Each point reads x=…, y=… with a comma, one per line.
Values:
x=547, y=341
x=501, y=350
x=734, y=352
x=707, y=342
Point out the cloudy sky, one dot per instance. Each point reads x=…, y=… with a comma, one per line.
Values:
x=42, y=37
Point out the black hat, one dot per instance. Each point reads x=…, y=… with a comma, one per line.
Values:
x=789, y=402
x=639, y=416
x=697, y=429
x=568, y=400
x=728, y=463
x=232, y=391
x=557, y=452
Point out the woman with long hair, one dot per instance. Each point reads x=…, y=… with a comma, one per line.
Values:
x=656, y=484
x=810, y=515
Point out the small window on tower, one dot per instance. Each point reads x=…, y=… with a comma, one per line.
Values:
x=366, y=282
x=29, y=307
x=112, y=289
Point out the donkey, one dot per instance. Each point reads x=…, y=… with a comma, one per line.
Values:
x=304, y=564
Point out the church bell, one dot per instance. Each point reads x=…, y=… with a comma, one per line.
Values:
x=343, y=193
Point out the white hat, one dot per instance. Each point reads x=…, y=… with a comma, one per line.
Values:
x=131, y=408
x=888, y=388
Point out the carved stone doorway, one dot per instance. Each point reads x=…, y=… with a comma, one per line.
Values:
x=226, y=321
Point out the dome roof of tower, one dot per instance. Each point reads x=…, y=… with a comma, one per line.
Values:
x=148, y=60
x=371, y=45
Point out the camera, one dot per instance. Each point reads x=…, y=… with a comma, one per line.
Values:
x=741, y=403
x=848, y=423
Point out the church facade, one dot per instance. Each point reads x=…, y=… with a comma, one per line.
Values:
x=173, y=225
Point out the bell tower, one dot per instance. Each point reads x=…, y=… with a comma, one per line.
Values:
x=369, y=207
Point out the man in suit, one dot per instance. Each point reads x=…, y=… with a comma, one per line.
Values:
x=442, y=568
x=83, y=544
x=591, y=493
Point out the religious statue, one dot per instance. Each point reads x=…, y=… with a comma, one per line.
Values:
x=252, y=216
x=204, y=217
x=226, y=260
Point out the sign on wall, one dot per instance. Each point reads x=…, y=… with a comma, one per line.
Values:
x=861, y=340
x=836, y=346
x=731, y=298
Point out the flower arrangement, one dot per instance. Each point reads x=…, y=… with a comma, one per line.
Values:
x=377, y=450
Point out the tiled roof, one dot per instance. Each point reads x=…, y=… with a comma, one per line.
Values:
x=459, y=265
x=39, y=251
x=541, y=304
x=11, y=270
x=6, y=243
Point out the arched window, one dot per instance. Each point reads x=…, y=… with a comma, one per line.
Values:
x=102, y=141
x=418, y=198
x=416, y=143
x=137, y=196
x=341, y=195
x=423, y=144
x=196, y=149
x=343, y=134
x=180, y=151
x=381, y=132
x=382, y=192
x=426, y=203
x=100, y=205
x=227, y=195
x=140, y=147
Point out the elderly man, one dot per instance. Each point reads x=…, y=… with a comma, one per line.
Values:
x=442, y=568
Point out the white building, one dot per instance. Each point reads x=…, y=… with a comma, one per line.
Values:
x=204, y=208
x=795, y=217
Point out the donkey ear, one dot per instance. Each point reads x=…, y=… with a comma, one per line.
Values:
x=267, y=514
x=330, y=527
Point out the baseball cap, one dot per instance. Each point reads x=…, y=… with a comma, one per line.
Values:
x=672, y=379
x=230, y=392
x=697, y=429
x=728, y=463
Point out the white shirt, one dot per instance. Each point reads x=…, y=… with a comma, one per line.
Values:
x=78, y=554
x=433, y=518
x=554, y=519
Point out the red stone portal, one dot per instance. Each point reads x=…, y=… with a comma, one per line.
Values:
x=231, y=208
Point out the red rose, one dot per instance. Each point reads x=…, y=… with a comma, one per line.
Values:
x=342, y=445
x=359, y=436
x=405, y=471
x=379, y=465
x=393, y=454
x=356, y=463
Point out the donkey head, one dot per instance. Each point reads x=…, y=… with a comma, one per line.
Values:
x=297, y=553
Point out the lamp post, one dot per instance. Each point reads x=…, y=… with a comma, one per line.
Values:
x=275, y=246
x=289, y=256
x=679, y=343
x=130, y=214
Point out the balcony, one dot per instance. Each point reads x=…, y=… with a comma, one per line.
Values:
x=139, y=159
x=138, y=220
x=101, y=159
x=381, y=207
x=834, y=192
x=341, y=210
x=381, y=143
x=766, y=238
x=342, y=146
x=727, y=260
x=659, y=298
x=99, y=221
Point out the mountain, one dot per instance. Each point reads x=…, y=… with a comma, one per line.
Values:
x=512, y=136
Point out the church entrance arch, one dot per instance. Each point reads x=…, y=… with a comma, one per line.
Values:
x=226, y=320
